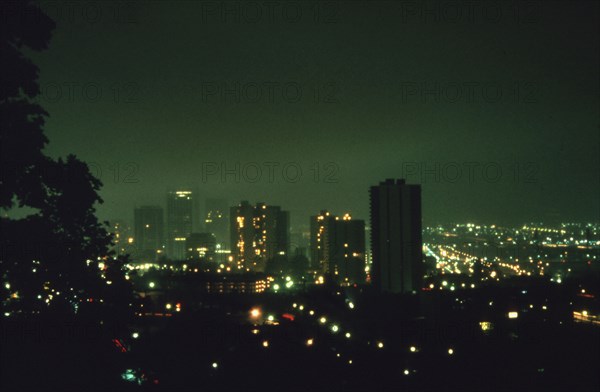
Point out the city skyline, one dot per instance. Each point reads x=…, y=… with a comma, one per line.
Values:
x=229, y=195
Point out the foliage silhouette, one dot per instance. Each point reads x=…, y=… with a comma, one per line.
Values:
x=57, y=259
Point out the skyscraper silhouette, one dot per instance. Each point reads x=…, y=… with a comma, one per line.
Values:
x=396, y=237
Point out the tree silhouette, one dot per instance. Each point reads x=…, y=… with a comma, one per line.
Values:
x=22, y=120
x=58, y=257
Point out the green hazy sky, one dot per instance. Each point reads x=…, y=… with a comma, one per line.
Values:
x=363, y=91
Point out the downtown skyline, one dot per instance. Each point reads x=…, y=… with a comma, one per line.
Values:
x=299, y=195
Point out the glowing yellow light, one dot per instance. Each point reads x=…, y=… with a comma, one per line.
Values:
x=413, y=349
x=380, y=344
x=309, y=342
x=255, y=312
x=265, y=343
x=513, y=315
x=450, y=351
x=323, y=320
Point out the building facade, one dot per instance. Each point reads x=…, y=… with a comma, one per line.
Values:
x=216, y=220
x=338, y=247
x=148, y=240
x=180, y=211
x=396, y=237
x=347, y=251
x=259, y=233
x=201, y=247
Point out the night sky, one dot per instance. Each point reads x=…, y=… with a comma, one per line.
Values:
x=345, y=88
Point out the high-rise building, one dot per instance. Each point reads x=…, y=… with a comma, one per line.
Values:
x=319, y=241
x=122, y=236
x=396, y=237
x=369, y=255
x=258, y=234
x=338, y=247
x=148, y=233
x=201, y=246
x=180, y=211
x=216, y=221
x=347, y=251
x=273, y=225
x=243, y=233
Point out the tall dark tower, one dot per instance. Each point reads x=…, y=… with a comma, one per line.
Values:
x=396, y=237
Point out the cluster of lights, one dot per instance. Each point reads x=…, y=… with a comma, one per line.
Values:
x=335, y=328
x=567, y=236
